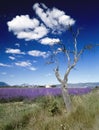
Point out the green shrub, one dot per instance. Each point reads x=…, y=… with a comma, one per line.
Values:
x=54, y=108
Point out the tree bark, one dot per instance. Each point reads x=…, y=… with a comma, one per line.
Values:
x=66, y=98
x=65, y=94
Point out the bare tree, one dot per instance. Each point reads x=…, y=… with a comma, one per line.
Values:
x=72, y=57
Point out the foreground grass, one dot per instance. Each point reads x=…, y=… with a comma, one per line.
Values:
x=48, y=113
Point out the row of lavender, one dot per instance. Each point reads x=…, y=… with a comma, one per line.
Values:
x=6, y=93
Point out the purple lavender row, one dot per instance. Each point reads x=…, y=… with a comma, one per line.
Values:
x=30, y=93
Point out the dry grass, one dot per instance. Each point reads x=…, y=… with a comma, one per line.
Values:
x=48, y=113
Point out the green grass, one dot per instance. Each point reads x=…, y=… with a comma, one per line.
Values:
x=49, y=113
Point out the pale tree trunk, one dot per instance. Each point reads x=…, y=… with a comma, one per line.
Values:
x=66, y=98
x=65, y=93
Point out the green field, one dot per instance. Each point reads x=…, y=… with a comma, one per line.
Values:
x=49, y=113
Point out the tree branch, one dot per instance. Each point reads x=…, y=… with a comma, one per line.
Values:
x=69, y=69
x=81, y=51
x=68, y=57
x=58, y=75
x=75, y=52
x=66, y=52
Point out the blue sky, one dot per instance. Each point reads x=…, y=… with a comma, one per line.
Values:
x=29, y=28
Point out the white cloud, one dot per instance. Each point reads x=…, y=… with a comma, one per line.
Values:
x=59, y=50
x=14, y=51
x=33, y=68
x=26, y=64
x=22, y=22
x=36, y=34
x=17, y=44
x=23, y=64
x=50, y=21
x=54, y=18
x=44, y=6
x=49, y=41
x=25, y=28
x=37, y=53
x=4, y=65
x=11, y=57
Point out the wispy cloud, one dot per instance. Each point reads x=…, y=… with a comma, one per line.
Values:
x=11, y=57
x=26, y=64
x=25, y=28
x=14, y=51
x=4, y=65
x=49, y=41
x=33, y=68
x=37, y=53
x=4, y=73
x=48, y=75
x=17, y=44
x=23, y=63
x=34, y=61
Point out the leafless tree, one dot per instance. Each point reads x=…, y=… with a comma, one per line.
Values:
x=72, y=57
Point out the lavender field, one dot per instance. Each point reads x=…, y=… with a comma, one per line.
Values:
x=48, y=113
x=31, y=93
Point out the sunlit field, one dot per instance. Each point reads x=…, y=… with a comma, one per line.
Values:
x=47, y=112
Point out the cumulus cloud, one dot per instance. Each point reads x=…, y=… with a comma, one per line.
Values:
x=26, y=64
x=49, y=21
x=11, y=57
x=25, y=28
x=37, y=53
x=14, y=51
x=36, y=34
x=4, y=65
x=54, y=18
x=22, y=22
x=49, y=41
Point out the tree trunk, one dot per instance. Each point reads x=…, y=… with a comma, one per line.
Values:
x=65, y=93
x=66, y=98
